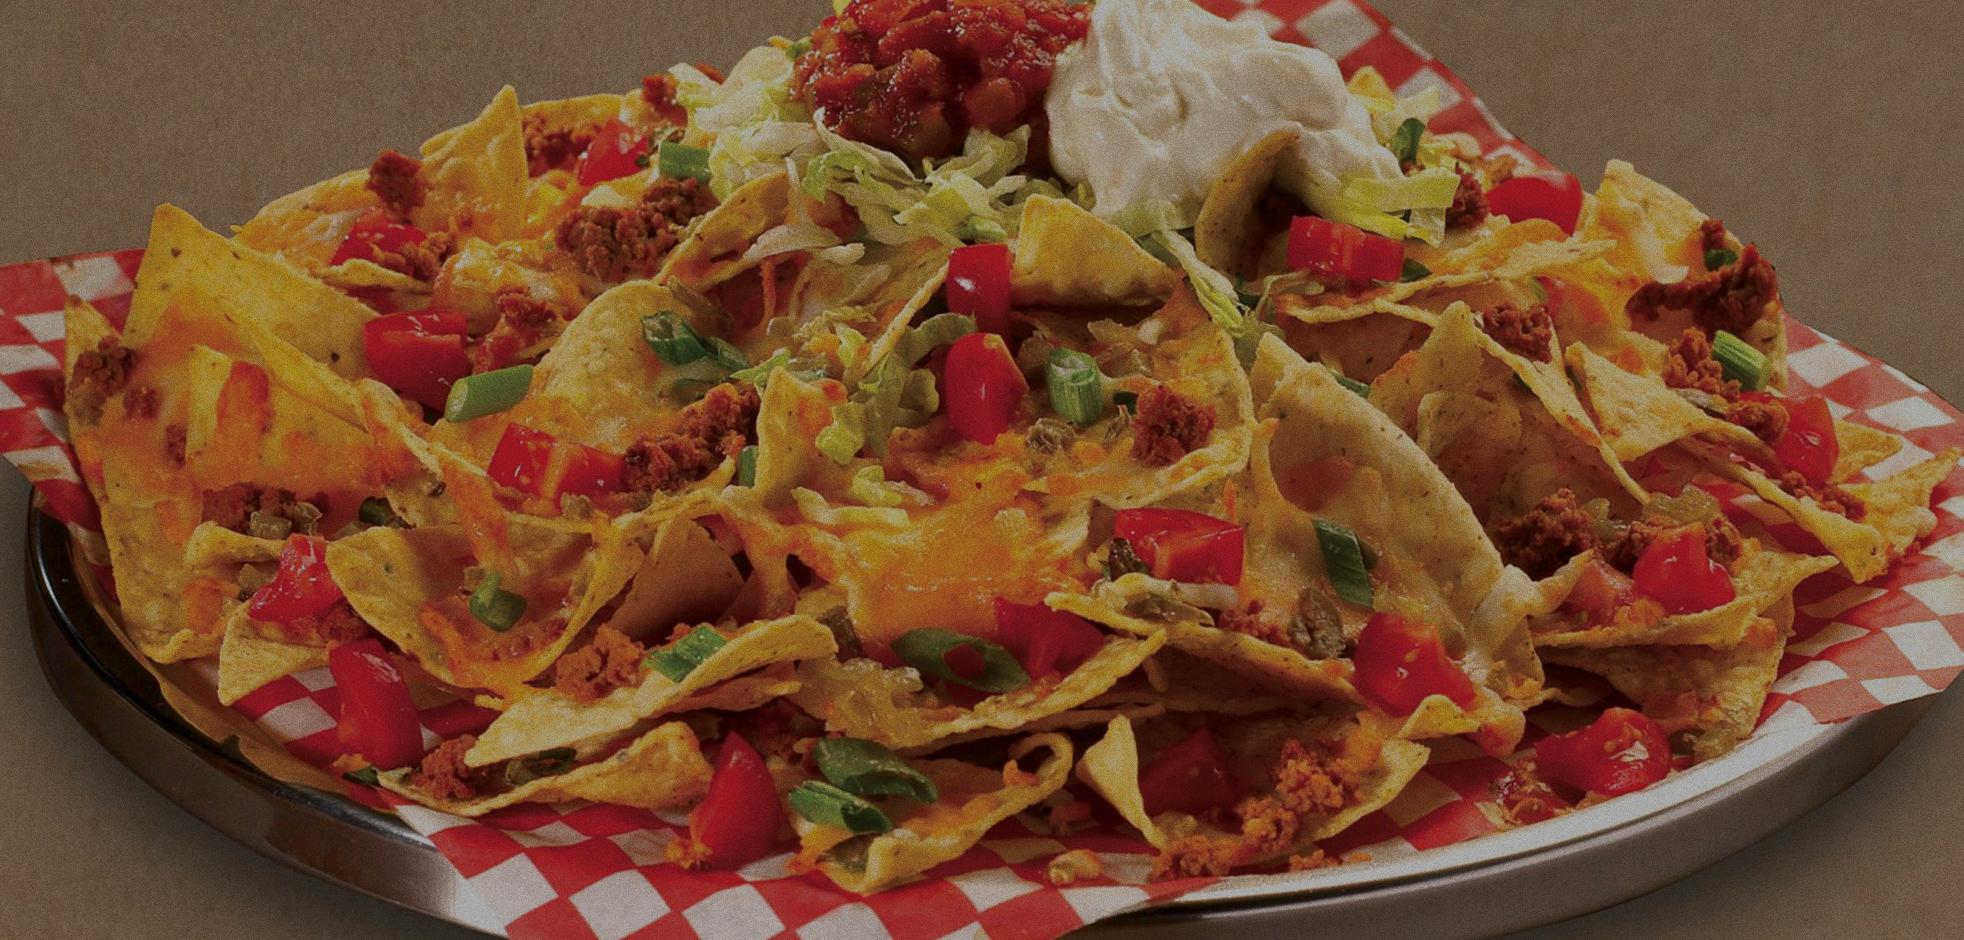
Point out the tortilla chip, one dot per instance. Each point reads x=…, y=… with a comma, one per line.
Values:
x=1761, y=578
x=662, y=769
x=1067, y=256
x=549, y=719
x=713, y=251
x=1227, y=235
x=248, y=658
x=1112, y=768
x=475, y=175
x=1638, y=413
x=972, y=801
x=859, y=698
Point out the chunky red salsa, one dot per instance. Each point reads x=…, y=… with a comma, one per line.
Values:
x=912, y=76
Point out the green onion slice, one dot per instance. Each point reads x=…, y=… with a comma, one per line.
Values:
x=1126, y=401
x=1413, y=271
x=927, y=650
x=488, y=393
x=747, y=466
x=1404, y=141
x=1362, y=389
x=865, y=768
x=376, y=511
x=1343, y=559
x=1077, y=391
x=495, y=608
x=681, y=161
x=1716, y=258
x=1742, y=363
x=1121, y=559
x=673, y=339
x=366, y=776
x=550, y=762
x=828, y=805
x=692, y=650
x=726, y=354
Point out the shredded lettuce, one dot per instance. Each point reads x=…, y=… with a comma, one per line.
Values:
x=971, y=196
x=1213, y=289
x=892, y=393
x=755, y=121
x=870, y=487
x=812, y=505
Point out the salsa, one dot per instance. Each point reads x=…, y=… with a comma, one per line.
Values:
x=913, y=76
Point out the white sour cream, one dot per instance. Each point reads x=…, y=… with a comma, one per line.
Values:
x=1162, y=95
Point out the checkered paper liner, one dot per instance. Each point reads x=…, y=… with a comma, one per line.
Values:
x=592, y=870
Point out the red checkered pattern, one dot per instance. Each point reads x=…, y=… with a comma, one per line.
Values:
x=596, y=871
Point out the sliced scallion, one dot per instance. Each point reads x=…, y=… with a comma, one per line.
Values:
x=927, y=650
x=1413, y=271
x=1077, y=391
x=550, y=762
x=376, y=511
x=487, y=393
x=1362, y=389
x=746, y=474
x=725, y=354
x=494, y=607
x=864, y=768
x=1343, y=560
x=1404, y=141
x=1742, y=363
x=673, y=339
x=681, y=161
x=692, y=650
x=826, y=804
x=1716, y=258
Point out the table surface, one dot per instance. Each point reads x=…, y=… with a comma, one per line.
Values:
x=1819, y=130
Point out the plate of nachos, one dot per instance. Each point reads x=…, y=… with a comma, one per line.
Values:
x=973, y=414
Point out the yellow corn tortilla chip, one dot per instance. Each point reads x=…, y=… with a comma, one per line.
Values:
x=861, y=699
x=662, y=769
x=1113, y=765
x=1067, y=256
x=1227, y=235
x=972, y=801
x=713, y=251
x=248, y=658
x=550, y=719
x=1761, y=578
x=475, y=175
x=1714, y=695
x=1638, y=414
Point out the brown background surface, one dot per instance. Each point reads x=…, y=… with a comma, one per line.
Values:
x=1826, y=133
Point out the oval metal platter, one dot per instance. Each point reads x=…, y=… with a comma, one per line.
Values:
x=1569, y=866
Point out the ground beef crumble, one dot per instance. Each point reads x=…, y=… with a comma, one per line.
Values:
x=553, y=148
x=420, y=260
x=443, y=773
x=396, y=179
x=1250, y=621
x=1311, y=780
x=615, y=244
x=1731, y=298
x=1168, y=426
x=1723, y=542
x=1830, y=497
x=1545, y=537
x=659, y=91
x=1469, y=202
x=1689, y=364
x=141, y=403
x=523, y=320
x=1766, y=416
x=100, y=373
x=234, y=506
x=710, y=430
x=1528, y=332
x=610, y=661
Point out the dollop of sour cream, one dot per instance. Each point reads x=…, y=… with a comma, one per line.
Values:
x=1162, y=95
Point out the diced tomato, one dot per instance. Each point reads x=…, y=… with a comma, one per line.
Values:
x=301, y=587
x=1677, y=571
x=1622, y=752
x=1556, y=197
x=983, y=387
x=617, y=150
x=738, y=821
x=378, y=718
x=1181, y=545
x=1599, y=591
x=536, y=462
x=417, y=354
x=1401, y=662
x=1809, y=445
x=978, y=285
x=1046, y=641
x=1334, y=249
x=1190, y=777
x=374, y=235
x=1526, y=799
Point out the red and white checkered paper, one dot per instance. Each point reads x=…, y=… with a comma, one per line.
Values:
x=597, y=870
